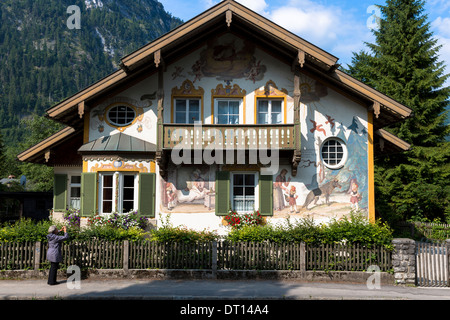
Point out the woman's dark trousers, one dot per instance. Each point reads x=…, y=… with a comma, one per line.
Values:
x=53, y=271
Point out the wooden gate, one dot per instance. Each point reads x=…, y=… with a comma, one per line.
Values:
x=432, y=268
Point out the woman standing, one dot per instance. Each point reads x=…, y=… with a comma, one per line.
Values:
x=54, y=251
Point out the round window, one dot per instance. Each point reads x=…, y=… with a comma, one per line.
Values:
x=333, y=153
x=121, y=115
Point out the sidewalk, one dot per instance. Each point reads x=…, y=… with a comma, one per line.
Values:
x=211, y=290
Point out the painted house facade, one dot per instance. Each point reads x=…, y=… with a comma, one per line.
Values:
x=226, y=112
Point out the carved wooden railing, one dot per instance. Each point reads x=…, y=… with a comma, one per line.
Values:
x=237, y=137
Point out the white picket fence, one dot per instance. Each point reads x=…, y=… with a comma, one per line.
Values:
x=432, y=261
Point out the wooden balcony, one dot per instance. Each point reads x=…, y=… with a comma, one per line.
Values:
x=237, y=137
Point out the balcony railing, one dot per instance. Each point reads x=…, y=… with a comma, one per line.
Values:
x=237, y=137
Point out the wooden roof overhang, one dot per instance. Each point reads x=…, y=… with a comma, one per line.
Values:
x=387, y=143
x=60, y=149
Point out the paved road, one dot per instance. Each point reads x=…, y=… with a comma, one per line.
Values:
x=211, y=289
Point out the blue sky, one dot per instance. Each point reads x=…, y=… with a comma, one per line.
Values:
x=337, y=26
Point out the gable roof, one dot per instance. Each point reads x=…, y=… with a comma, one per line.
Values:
x=228, y=15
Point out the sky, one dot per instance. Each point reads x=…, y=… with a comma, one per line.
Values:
x=339, y=27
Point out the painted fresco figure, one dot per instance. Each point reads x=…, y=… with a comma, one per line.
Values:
x=279, y=185
x=171, y=195
x=355, y=196
x=293, y=200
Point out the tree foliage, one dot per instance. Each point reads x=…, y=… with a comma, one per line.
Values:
x=403, y=63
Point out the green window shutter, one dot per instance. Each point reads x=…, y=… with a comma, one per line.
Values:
x=60, y=192
x=88, y=193
x=222, y=192
x=266, y=195
x=147, y=194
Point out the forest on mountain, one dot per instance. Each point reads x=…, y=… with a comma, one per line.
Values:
x=43, y=61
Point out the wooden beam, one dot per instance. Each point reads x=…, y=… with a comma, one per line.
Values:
x=81, y=109
x=301, y=58
x=228, y=17
x=157, y=58
x=371, y=168
x=297, y=135
x=376, y=108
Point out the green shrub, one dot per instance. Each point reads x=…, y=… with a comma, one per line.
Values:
x=25, y=230
x=355, y=229
x=108, y=232
x=29, y=230
x=182, y=234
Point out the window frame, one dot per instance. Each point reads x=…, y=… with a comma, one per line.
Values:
x=216, y=110
x=69, y=193
x=255, y=186
x=117, y=191
x=118, y=105
x=187, y=99
x=341, y=161
x=269, y=110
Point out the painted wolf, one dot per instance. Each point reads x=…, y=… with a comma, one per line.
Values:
x=324, y=190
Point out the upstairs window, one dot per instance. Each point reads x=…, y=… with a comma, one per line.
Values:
x=269, y=111
x=333, y=153
x=187, y=110
x=228, y=111
x=121, y=115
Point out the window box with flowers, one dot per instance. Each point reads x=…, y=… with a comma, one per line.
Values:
x=236, y=220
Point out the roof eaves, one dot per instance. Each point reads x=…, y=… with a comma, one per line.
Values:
x=403, y=145
x=46, y=144
x=372, y=94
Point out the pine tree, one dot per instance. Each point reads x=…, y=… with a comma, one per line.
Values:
x=404, y=64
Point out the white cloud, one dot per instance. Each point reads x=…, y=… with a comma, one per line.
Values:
x=338, y=31
x=442, y=26
x=441, y=30
x=258, y=6
x=313, y=24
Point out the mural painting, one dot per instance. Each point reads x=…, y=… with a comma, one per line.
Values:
x=331, y=193
x=188, y=189
x=226, y=58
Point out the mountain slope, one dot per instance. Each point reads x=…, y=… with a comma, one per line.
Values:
x=43, y=61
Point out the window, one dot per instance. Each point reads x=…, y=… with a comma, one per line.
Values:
x=187, y=110
x=118, y=192
x=243, y=192
x=75, y=192
x=333, y=153
x=269, y=111
x=228, y=111
x=121, y=115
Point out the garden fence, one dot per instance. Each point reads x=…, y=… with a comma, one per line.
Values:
x=429, y=230
x=222, y=255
